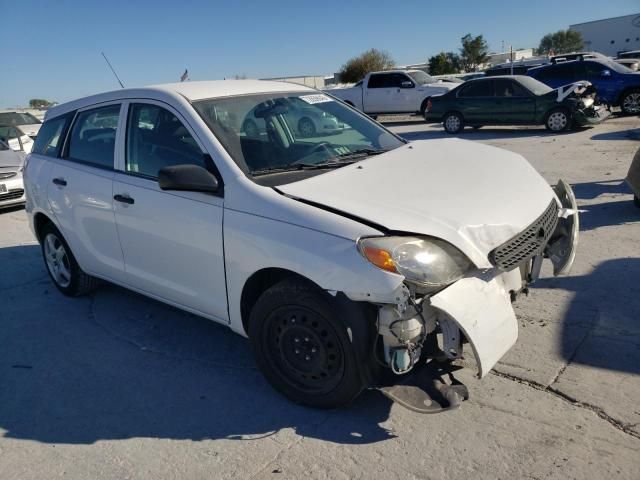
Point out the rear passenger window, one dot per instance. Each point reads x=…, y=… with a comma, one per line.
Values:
x=157, y=139
x=380, y=80
x=478, y=88
x=51, y=135
x=93, y=136
x=505, y=87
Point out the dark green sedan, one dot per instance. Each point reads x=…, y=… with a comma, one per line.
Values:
x=515, y=100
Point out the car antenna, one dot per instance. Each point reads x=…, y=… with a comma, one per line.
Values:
x=112, y=69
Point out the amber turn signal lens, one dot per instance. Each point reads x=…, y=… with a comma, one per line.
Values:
x=380, y=258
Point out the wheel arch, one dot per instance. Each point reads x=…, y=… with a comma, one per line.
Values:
x=423, y=105
x=625, y=91
x=258, y=283
x=39, y=221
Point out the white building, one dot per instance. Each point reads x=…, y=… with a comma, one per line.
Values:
x=611, y=35
x=504, y=57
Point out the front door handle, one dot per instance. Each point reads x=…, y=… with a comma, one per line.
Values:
x=60, y=182
x=124, y=199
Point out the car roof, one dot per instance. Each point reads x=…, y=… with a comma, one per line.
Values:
x=493, y=77
x=191, y=91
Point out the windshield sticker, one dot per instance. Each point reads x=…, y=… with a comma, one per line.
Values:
x=318, y=98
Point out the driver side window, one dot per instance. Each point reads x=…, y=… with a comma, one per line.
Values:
x=156, y=138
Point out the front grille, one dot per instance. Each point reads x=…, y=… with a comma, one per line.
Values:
x=531, y=241
x=11, y=195
x=5, y=175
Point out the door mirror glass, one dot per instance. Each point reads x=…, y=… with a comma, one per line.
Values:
x=406, y=84
x=189, y=178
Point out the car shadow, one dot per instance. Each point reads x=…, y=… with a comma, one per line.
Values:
x=605, y=313
x=621, y=211
x=485, y=133
x=117, y=365
x=631, y=134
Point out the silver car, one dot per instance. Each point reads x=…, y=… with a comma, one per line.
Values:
x=11, y=183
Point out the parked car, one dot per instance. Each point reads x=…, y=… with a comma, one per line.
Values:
x=339, y=258
x=631, y=63
x=11, y=184
x=633, y=178
x=27, y=122
x=577, y=56
x=515, y=100
x=16, y=138
x=614, y=83
x=629, y=54
x=393, y=91
x=305, y=120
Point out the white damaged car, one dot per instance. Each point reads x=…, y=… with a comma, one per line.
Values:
x=340, y=256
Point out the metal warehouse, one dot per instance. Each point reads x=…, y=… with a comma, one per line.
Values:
x=611, y=35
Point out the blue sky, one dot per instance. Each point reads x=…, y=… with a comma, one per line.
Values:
x=53, y=48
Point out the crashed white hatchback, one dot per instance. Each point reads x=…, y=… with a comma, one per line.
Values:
x=341, y=256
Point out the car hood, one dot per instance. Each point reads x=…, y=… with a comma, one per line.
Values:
x=442, y=84
x=474, y=196
x=10, y=159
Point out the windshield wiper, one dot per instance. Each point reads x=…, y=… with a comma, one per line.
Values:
x=298, y=167
x=361, y=152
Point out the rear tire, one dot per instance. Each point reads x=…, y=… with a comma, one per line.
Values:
x=558, y=120
x=302, y=346
x=453, y=122
x=630, y=103
x=62, y=266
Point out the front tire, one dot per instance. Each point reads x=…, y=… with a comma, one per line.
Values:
x=558, y=120
x=302, y=347
x=630, y=103
x=453, y=123
x=62, y=266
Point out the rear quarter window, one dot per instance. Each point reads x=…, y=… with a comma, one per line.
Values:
x=51, y=136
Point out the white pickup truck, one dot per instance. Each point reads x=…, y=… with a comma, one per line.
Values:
x=392, y=91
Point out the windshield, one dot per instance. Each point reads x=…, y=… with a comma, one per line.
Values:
x=270, y=134
x=616, y=67
x=17, y=118
x=534, y=86
x=421, y=78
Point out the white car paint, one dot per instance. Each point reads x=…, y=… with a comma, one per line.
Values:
x=11, y=181
x=196, y=251
x=394, y=99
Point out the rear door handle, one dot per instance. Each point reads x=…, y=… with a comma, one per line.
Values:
x=60, y=181
x=124, y=199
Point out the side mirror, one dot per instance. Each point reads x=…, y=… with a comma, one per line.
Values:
x=190, y=178
x=406, y=84
x=606, y=73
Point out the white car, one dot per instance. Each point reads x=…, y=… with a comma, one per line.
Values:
x=393, y=92
x=11, y=184
x=16, y=138
x=27, y=122
x=338, y=256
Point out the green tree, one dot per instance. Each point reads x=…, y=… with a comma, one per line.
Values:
x=562, y=41
x=474, y=52
x=444, y=63
x=40, y=103
x=370, y=61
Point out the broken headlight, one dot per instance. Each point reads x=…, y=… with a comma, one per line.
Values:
x=426, y=262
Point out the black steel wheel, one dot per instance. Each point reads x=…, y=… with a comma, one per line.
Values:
x=302, y=347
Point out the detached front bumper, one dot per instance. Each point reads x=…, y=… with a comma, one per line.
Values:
x=591, y=116
x=479, y=306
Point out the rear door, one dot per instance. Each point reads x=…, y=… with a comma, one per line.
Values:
x=559, y=74
x=379, y=93
x=476, y=101
x=80, y=191
x=172, y=241
x=513, y=103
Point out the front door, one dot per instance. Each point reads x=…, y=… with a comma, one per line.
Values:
x=513, y=104
x=476, y=102
x=172, y=241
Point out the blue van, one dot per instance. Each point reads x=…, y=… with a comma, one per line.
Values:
x=614, y=83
